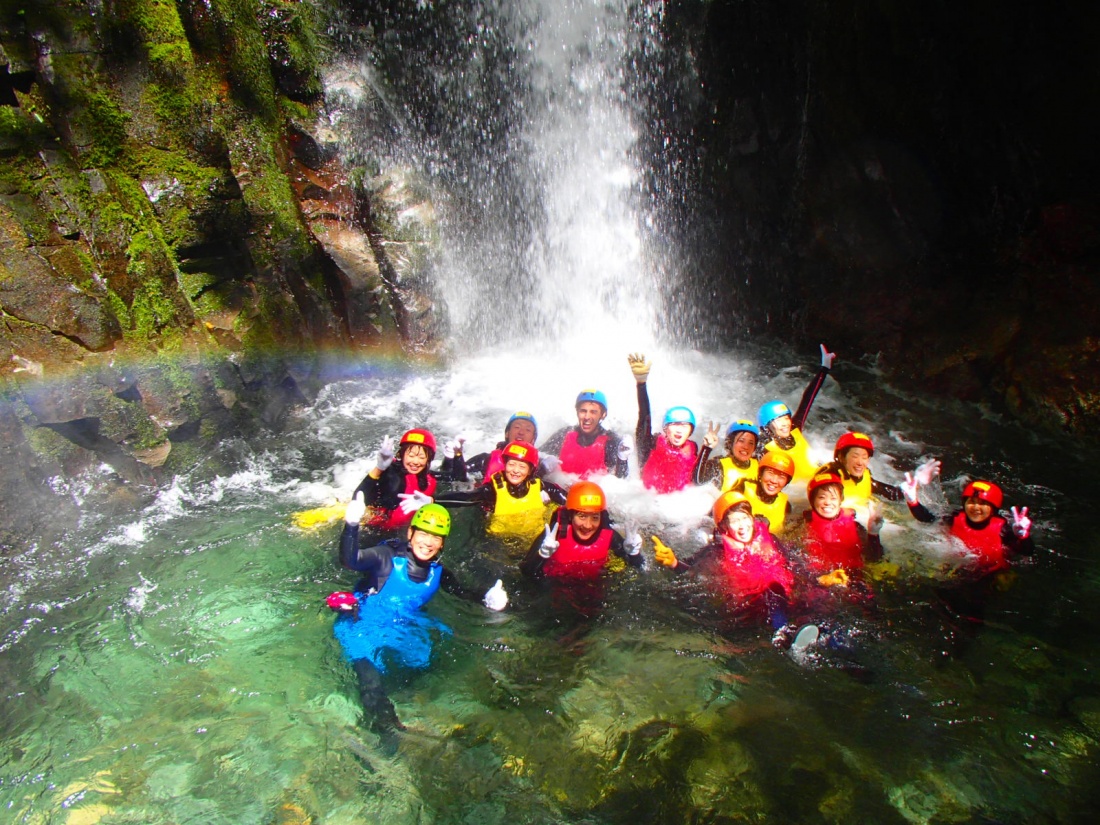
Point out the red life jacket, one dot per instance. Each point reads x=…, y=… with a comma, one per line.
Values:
x=583, y=461
x=494, y=465
x=753, y=569
x=985, y=542
x=669, y=469
x=392, y=519
x=833, y=543
x=579, y=561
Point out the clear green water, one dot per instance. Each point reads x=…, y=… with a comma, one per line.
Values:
x=175, y=664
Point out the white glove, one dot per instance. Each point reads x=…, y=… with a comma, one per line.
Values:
x=453, y=447
x=874, y=520
x=710, y=439
x=626, y=447
x=496, y=598
x=632, y=541
x=927, y=471
x=545, y=496
x=549, y=543
x=385, y=454
x=1021, y=524
x=909, y=487
x=827, y=357
x=411, y=502
x=550, y=463
x=357, y=508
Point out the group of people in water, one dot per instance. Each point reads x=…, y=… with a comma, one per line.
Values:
x=767, y=562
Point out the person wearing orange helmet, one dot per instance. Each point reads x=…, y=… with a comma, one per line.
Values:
x=851, y=458
x=668, y=458
x=781, y=430
x=832, y=539
x=400, y=481
x=515, y=498
x=765, y=493
x=757, y=577
x=579, y=540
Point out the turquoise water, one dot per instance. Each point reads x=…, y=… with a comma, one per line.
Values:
x=175, y=663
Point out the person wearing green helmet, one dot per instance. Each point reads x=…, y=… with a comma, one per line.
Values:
x=381, y=623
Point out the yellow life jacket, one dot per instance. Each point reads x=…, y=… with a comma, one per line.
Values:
x=857, y=494
x=775, y=513
x=804, y=468
x=731, y=473
x=518, y=517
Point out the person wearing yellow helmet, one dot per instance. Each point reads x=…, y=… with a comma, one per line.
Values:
x=515, y=498
x=381, y=623
x=757, y=580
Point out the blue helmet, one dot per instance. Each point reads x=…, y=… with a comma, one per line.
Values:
x=741, y=426
x=680, y=415
x=771, y=411
x=520, y=415
x=592, y=395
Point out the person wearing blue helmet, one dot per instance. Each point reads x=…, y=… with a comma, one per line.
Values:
x=668, y=458
x=739, y=461
x=587, y=450
x=521, y=426
x=781, y=430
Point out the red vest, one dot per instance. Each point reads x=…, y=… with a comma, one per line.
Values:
x=579, y=561
x=392, y=519
x=583, y=461
x=494, y=465
x=833, y=543
x=753, y=569
x=985, y=542
x=669, y=469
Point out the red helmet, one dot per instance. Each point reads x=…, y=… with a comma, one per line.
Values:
x=586, y=497
x=853, y=440
x=727, y=501
x=421, y=437
x=985, y=491
x=521, y=450
x=823, y=480
x=778, y=461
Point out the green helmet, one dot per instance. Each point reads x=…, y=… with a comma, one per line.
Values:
x=432, y=518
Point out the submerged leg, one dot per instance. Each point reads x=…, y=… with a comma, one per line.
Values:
x=380, y=713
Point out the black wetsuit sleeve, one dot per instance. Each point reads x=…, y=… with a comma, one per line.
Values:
x=376, y=561
x=532, y=563
x=477, y=464
x=644, y=439
x=1015, y=545
x=454, y=469
x=872, y=544
x=611, y=460
x=808, y=396
x=555, y=493
x=886, y=491
x=555, y=442
x=685, y=564
x=923, y=515
x=450, y=584
x=618, y=547
x=483, y=495
x=707, y=469
x=383, y=491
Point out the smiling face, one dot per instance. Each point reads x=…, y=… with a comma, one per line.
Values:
x=855, y=461
x=521, y=430
x=585, y=525
x=977, y=511
x=424, y=546
x=414, y=459
x=781, y=427
x=516, y=471
x=744, y=445
x=826, y=500
x=589, y=416
x=772, y=481
x=678, y=433
x=739, y=525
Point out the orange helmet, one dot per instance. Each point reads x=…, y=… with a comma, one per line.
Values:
x=586, y=497
x=853, y=440
x=985, y=491
x=780, y=462
x=823, y=479
x=726, y=502
x=521, y=450
x=421, y=437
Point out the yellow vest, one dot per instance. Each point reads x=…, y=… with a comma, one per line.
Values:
x=775, y=513
x=731, y=473
x=857, y=494
x=513, y=517
x=804, y=468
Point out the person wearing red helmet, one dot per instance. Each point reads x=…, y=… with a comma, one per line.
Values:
x=398, y=480
x=781, y=430
x=521, y=426
x=757, y=578
x=765, y=492
x=832, y=539
x=579, y=541
x=851, y=457
x=587, y=449
x=515, y=498
x=668, y=458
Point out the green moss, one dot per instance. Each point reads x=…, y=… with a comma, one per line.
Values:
x=245, y=52
x=103, y=122
x=48, y=444
x=20, y=131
